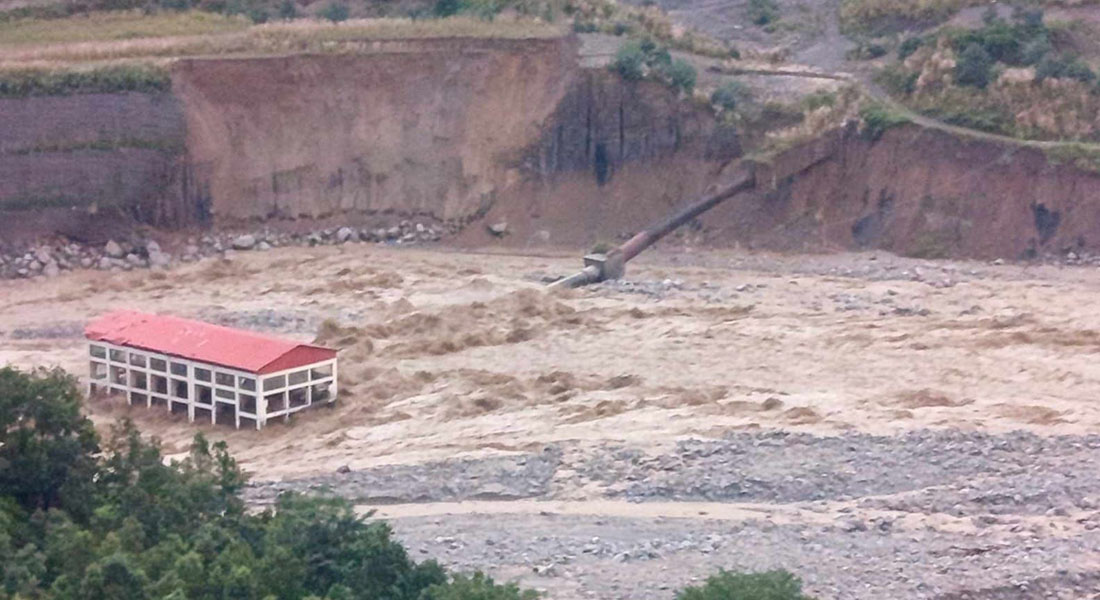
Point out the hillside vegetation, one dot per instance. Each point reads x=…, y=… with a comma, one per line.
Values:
x=1021, y=77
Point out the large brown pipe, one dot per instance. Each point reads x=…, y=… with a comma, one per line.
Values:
x=649, y=236
x=599, y=267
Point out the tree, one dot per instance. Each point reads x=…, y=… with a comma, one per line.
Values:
x=729, y=95
x=476, y=587
x=334, y=11
x=974, y=67
x=681, y=75
x=630, y=61
x=46, y=445
x=288, y=10
x=763, y=12
x=447, y=8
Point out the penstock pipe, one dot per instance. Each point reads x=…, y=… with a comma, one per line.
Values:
x=649, y=236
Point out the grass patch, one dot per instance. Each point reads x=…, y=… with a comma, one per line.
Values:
x=890, y=15
x=20, y=83
x=1086, y=158
x=118, y=25
x=279, y=38
x=877, y=118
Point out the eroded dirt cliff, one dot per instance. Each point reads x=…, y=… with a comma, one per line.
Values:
x=918, y=192
x=431, y=127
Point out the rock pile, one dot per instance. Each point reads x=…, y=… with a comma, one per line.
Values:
x=51, y=258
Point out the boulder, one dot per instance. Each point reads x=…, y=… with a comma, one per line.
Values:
x=346, y=234
x=498, y=229
x=244, y=242
x=113, y=249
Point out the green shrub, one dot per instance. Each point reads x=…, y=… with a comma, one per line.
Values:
x=730, y=95
x=763, y=12
x=476, y=587
x=630, y=60
x=818, y=100
x=1034, y=51
x=447, y=8
x=100, y=80
x=974, y=67
x=867, y=51
x=1067, y=67
x=897, y=80
x=681, y=76
x=334, y=11
x=287, y=10
x=770, y=585
x=877, y=118
x=909, y=46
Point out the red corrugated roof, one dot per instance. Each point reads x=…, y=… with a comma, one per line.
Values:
x=204, y=342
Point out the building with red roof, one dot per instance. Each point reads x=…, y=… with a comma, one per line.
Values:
x=208, y=370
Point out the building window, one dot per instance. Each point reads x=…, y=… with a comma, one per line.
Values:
x=179, y=369
x=157, y=364
x=298, y=377
x=179, y=389
x=202, y=374
x=97, y=351
x=274, y=383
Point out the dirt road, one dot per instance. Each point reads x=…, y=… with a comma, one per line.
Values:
x=873, y=423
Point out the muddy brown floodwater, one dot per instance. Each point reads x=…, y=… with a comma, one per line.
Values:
x=878, y=425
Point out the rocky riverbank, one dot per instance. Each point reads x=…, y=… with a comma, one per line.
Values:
x=53, y=257
x=930, y=514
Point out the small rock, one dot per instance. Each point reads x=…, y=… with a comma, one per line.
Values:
x=498, y=229
x=43, y=256
x=51, y=270
x=159, y=259
x=152, y=247
x=263, y=246
x=343, y=469
x=135, y=260
x=244, y=242
x=345, y=234
x=852, y=525
x=545, y=570
x=113, y=250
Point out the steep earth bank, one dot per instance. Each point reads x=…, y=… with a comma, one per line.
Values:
x=443, y=128
x=515, y=131
x=918, y=192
